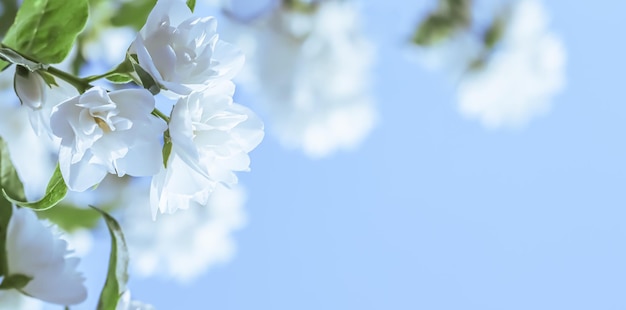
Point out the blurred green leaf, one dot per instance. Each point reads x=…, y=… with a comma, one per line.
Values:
x=15, y=281
x=117, y=274
x=46, y=29
x=55, y=192
x=9, y=181
x=191, y=4
x=133, y=13
x=70, y=218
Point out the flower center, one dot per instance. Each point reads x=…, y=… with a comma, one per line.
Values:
x=102, y=124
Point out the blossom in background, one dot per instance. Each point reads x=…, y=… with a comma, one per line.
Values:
x=211, y=137
x=107, y=133
x=183, y=53
x=14, y=300
x=522, y=75
x=183, y=245
x=312, y=72
x=34, y=251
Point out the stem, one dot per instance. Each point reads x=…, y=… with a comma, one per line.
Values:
x=80, y=84
x=91, y=78
x=156, y=112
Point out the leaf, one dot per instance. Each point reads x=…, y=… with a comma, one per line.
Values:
x=55, y=192
x=191, y=4
x=133, y=13
x=13, y=57
x=15, y=281
x=117, y=275
x=10, y=181
x=46, y=29
x=119, y=78
x=70, y=218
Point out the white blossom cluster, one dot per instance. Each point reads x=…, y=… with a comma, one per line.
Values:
x=188, y=153
x=311, y=71
x=516, y=79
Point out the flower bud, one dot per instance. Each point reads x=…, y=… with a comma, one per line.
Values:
x=30, y=87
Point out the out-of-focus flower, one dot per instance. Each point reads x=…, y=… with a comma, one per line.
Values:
x=125, y=303
x=183, y=53
x=521, y=76
x=312, y=72
x=107, y=133
x=211, y=137
x=34, y=251
x=185, y=244
x=32, y=156
x=14, y=300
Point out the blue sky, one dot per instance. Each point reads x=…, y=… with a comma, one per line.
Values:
x=433, y=211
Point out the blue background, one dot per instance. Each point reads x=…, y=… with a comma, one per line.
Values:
x=433, y=211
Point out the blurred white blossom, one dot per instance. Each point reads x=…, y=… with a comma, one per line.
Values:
x=14, y=300
x=34, y=250
x=521, y=77
x=185, y=244
x=311, y=70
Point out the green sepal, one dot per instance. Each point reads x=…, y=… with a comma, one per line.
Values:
x=117, y=274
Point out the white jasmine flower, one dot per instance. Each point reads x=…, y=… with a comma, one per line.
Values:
x=107, y=133
x=211, y=138
x=522, y=75
x=14, y=300
x=34, y=251
x=183, y=245
x=312, y=73
x=40, y=97
x=183, y=53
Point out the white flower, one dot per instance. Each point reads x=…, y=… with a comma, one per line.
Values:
x=125, y=303
x=107, y=133
x=183, y=53
x=40, y=98
x=34, y=251
x=312, y=73
x=211, y=138
x=14, y=300
x=522, y=75
x=183, y=245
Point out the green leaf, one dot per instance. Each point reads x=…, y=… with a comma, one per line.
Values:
x=15, y=281
x=133, y=13
x=70, y=218
x=46, y=29
x=119, y=78
x=55, y=192
x=191, y=4
x=117, y=275
x=13, y=57
x=10, y=181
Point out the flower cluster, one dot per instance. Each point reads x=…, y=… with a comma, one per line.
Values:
x=207, y=136
x=99, y=134
x=310, y=68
